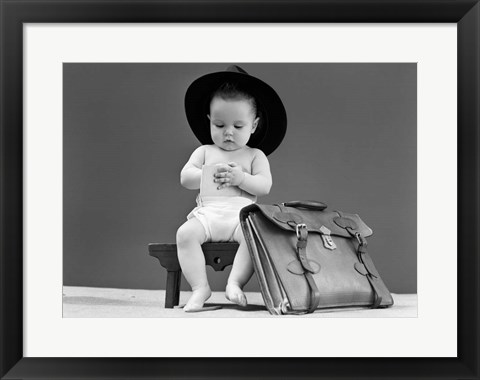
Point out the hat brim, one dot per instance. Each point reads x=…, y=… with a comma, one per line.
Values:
x=273, y=123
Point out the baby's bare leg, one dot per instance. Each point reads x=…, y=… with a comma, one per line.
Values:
x=190, y=237
x=242, y=270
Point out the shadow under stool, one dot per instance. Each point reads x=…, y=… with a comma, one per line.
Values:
x=217, y=255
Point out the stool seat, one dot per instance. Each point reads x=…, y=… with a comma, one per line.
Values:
x=217, y=255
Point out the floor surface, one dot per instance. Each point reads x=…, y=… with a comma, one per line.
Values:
x=84, y=302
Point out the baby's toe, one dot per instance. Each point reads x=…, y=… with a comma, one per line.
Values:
x=235, y=294
x=242, y=300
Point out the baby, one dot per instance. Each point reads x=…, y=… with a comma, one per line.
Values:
x=226, y=112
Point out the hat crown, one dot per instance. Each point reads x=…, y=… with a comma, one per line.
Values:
x=236, y=69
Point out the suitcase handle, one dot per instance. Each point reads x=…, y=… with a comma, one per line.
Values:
x=311, y=205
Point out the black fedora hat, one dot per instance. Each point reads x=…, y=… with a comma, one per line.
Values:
x=273, y=118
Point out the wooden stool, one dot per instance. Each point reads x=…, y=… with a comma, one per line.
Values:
x=217, y=255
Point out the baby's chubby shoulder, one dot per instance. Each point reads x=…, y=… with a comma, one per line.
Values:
x=258, y=161
x=197, y=158
x=210, y=150
x=257, y=154
x=206, y=150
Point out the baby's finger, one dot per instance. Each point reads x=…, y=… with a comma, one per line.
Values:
x=222, y=168
x=220, y=175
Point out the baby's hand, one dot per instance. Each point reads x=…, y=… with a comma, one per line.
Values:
x=229, y=175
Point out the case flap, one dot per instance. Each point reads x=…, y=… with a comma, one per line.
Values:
x=288, y=217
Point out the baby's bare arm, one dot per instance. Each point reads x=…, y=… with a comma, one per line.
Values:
x=260, y=181
x=191, y=173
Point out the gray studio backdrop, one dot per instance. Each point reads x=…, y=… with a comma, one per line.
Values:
x=351, y=143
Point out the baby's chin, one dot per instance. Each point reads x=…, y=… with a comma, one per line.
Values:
x=230, y=147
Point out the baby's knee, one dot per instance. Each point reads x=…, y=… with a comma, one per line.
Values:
x=189, y=233
x=238, y=235
x=183, y=234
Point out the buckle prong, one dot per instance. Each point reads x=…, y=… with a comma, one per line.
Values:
x=361, y=240
x=297, y=229
x=362, y=243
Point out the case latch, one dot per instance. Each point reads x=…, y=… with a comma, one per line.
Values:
x=327, y=239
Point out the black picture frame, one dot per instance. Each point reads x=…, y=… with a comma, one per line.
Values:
x=465, y=13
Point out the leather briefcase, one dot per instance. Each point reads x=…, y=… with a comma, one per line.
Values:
x=306, y=258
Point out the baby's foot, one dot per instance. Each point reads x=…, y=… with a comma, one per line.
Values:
x=234, y=294
x=198, y=298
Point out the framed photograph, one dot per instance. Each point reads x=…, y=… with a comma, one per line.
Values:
x=382, y=106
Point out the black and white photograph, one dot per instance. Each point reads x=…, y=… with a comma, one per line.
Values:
x=239, y=189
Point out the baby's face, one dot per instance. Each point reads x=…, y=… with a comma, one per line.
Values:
x=231, y=123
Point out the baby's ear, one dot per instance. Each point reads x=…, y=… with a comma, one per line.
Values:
x=209, y=117
x=255, y=124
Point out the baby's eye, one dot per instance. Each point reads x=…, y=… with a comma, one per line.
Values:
x=219, y=125
x=238, y=126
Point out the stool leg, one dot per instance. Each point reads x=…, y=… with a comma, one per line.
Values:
x=172, y=293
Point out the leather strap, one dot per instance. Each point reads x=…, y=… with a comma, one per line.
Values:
x=302, y=238
x=314, y=292
x=361, y=250
x=378, y=299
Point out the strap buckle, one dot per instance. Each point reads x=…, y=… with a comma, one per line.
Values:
x=301, y=231
x=362, y=243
